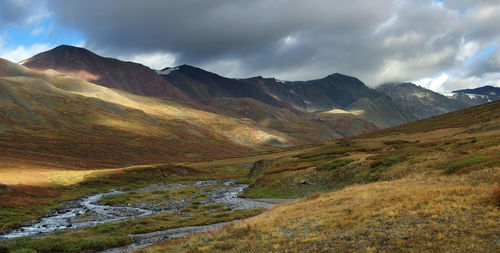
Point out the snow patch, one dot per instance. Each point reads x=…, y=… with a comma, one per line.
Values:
x=476, y=96
x=166, y=71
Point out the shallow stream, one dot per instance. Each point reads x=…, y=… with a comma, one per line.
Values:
x=87, y=211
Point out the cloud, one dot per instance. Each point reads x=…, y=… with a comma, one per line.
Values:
x=21, y=52
x=434, y=83
x=377, y=41
x=155, y=60
x=22, y=12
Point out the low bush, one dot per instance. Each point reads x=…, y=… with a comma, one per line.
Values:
x=332, y=165
x=455, y=166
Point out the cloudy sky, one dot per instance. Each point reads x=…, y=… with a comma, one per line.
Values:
x=439, y=44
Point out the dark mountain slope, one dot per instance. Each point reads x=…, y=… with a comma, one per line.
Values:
x=336, y=91
x=108, y=72
x=201, y=84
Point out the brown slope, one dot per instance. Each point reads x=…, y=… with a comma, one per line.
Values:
x=112, y=73
x=49, y=117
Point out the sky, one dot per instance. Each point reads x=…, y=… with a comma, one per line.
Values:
x=442, y=45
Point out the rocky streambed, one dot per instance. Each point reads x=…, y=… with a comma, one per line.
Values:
x=88, y=211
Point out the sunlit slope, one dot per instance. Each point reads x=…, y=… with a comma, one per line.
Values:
x=49, y=114
x=431, y=185
x=466, y=140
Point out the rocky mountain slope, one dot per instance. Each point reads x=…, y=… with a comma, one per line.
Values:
x=332, y=92
x=421, y=102
x=477, y=96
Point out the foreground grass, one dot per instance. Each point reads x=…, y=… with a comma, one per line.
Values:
x=419, y=213
x=432, y=185
x=111, y=235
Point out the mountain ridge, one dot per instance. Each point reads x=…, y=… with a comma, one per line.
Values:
x=109, y=72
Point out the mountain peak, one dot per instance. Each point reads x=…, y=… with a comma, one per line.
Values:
x=67, y=50
x=339, y=76
x=109, y=72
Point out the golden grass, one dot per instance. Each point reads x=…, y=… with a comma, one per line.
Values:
x=250, y=159
x=26, y=174
x=416, y=188
x=418, y=213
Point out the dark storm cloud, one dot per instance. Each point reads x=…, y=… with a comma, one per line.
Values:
x=377, y=40
x=20, y=12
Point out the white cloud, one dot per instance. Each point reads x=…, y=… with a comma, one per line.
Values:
x=467, y=50
x=37, y=31
x=377, y=41
x=434, y=83
x=21, y=53
x=157, y=60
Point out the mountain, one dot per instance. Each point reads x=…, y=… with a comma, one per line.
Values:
x=290, y=108
x=112, y=73
x=332, y=92
x=421, y=102
x=47, y=116
x=201, y=84
x=478, y=95
x=336, y=91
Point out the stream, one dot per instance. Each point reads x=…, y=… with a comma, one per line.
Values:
x=87, y=211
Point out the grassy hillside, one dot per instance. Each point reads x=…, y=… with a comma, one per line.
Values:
x=52, y=117
x=431, y=185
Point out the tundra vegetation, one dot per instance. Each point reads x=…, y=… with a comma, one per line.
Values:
x=430, y=185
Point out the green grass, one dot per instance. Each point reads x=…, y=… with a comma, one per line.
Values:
x=335, y=164
x=454, y=166
x=158, y=196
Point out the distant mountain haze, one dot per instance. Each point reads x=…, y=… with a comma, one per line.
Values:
x=424, y=103
x=478, y=95
x=421, y=102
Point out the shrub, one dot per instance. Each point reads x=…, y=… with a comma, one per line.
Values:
x=396, y=142
x=495, y=197
x=455, y=166
x=332, y=165
x=387, y=162
x=313, y=196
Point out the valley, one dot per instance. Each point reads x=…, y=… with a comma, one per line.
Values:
x=92, y=159
x=409, y=179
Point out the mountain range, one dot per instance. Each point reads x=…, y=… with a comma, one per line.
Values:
x=394, y=168
x=186, y=112
x=424, y=103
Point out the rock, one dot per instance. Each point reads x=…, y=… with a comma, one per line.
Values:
x=258, y=167
x=27, y=223
x=304, y=182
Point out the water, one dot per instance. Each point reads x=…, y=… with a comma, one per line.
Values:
x=143, y=240
x=86, y=211
x=66, y=218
